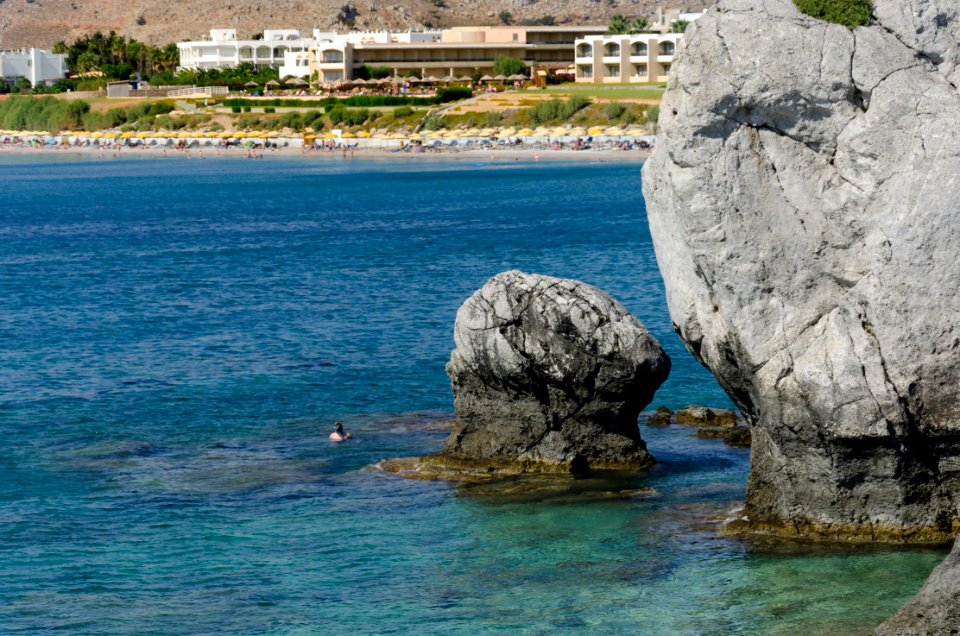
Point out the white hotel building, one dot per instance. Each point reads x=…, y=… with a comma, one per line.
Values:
x=283, y=49
x=615, y=59
x=40, y=66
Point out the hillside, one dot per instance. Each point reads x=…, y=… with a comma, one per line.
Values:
x=43, y=22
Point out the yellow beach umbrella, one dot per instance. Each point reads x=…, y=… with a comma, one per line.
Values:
x=142, y=135
x=524, y=132
x=329, y=136
x=560, y=131
x=348, y=135
x=96, y=135
x=596, y=130
x=508, y=132
x=126, y=135
x=363, y=134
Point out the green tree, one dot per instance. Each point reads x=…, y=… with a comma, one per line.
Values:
x=638, y=25
x=504, y=65
x=618, y=25
x=505, y=17
x=849, y=13
x=60, y=47
x=679, y=26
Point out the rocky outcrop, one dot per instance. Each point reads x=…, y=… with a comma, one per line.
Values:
x=803, y=203
x=935, y=610
x=706, y=416
x=549, y=375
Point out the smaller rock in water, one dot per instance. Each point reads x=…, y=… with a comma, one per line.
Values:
x=738, y=436
x=549, y=375
x=660, y=417
x=706, y=416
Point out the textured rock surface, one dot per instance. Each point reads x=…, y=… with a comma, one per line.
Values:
x=803, y=200
x=550, y=375
x=935, y=610
x=706, y=416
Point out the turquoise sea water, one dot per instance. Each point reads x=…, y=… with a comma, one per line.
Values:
x=177, y=336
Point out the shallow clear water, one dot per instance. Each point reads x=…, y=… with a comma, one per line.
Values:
x=177, y=336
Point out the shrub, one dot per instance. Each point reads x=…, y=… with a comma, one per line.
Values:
x=403, y=111
x=269, y=110
x=493, y=118
x=434, y=122
x=614, y=110
x=235, y=109
x=453, y=94
x=849, y=13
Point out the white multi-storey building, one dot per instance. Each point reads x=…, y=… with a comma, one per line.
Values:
x=614, y=59
x=281, y=48
x=223, y=50
x=297, y=63
x=40, y=66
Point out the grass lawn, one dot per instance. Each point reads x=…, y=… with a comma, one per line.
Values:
x=609, y=91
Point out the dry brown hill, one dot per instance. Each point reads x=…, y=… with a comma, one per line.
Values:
x=43, y=22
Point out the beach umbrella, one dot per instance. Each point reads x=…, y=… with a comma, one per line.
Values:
x=348, y=135
x=596, y=130
x=416, y=136
x=500, y=78
x=126, y=135
x=363, y=134
x=432, y=78
x=413, y=78
x=295, y=81
x=508, y=132
x=360, y=81
x=448, y=78
x=486, y=78
x=578, y=131
x=251, y=84
x=272, y=83
x=472, y=132
x=465, y=78
x=560, y=131
x=525, y=132
x=225, y=135
x=635, y=132
x=142, y=135
x=516, y=77
x=396, y=80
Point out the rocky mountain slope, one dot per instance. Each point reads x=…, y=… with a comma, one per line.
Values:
x=43, y=22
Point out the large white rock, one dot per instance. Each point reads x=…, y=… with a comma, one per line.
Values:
x=804, y=199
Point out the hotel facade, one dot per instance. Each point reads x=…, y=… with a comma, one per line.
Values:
x=634, y=58
x=460, y=51
x=457, y=52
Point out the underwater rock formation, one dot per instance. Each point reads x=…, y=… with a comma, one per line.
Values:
x=803, y=203
x=549, y=375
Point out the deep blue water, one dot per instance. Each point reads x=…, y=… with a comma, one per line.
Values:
x=176, y=337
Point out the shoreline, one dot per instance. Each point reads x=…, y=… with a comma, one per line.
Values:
x=492, y=154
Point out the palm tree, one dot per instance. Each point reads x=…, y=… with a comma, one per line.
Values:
x=638, y=25
x=618, y=25
x=679, y=26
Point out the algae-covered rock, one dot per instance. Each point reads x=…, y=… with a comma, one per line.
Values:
x=549, y=375
x=803, y=203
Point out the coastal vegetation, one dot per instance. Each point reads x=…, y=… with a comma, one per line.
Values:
x=51, y=114
x=849, y=13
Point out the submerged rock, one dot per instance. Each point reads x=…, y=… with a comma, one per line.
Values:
x=936, y=607
x=803, y=205
x=661, y=417
x=549, y=375
x=706, y=416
